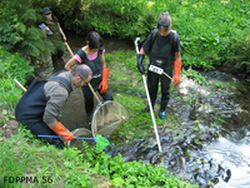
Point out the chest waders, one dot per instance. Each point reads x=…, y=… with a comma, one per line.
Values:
x=30, y=109
x=96, y=67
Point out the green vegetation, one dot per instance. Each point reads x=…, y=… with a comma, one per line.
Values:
x=23, y=156
x=27, y=156
x=212, y=33
x=19, y=29
x=12, y=66
x=127, y=84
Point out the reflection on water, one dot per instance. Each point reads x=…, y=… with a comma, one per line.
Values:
x=234, y=156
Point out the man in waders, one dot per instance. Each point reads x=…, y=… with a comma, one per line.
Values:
x=163, y=47
x=40, y=106
x=55, y=33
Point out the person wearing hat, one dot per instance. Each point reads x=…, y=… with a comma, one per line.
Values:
x=40, y=106
x=51, y=26
x=162, y=45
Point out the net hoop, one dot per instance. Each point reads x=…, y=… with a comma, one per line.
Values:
x=107, y=117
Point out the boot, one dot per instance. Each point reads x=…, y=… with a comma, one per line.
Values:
x=162, y=114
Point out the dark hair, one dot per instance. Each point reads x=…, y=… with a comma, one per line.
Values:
x=94, y=40
x=164, y=21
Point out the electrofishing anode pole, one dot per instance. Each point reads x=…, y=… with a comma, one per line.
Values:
x=149, y=101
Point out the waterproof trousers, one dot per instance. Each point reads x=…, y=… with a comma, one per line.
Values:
x=153, y=81
x=30, y=109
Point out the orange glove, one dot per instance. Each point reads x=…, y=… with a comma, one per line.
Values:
x=60, y=130
x=177, y=72
x=103, y=86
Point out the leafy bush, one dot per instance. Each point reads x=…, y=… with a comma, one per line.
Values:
x=19, y=31
x=12, y=66
x=208, y=29
x=115, y=18
x=73, y=168
x=238, y=54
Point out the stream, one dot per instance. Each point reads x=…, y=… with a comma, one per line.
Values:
x=210, y=141
x=234, y=160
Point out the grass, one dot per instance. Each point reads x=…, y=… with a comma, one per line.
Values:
x=23, y=156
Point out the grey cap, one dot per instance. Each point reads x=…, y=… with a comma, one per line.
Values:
x=46, y=10
x=164, y=20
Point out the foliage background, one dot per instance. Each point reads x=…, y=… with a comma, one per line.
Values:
x=212, y=32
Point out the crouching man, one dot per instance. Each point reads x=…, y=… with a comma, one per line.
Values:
x=40, y=106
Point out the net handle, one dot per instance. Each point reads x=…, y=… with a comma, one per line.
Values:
x=94, y=93
x=89, y=85
x=20, y=85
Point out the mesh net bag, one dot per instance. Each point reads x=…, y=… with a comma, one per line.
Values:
x=107, y=117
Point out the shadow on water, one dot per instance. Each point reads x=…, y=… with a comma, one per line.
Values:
x=74, y=115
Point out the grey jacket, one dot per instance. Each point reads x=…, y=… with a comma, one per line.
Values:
x=57, y=96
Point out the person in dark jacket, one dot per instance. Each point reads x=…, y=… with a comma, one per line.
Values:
x=40, y=106
x=92, y=55
x=162, y=46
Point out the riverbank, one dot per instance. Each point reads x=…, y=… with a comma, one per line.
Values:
x=207, y=106
x=200, y=111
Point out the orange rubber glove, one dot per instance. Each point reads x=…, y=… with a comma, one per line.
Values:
x=60, y=130
x=177, y=72
x=103, y=86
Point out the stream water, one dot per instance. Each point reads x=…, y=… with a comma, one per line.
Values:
x=211, y=142
x=234, y=160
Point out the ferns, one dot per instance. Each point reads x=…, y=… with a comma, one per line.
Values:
x=19, y=31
